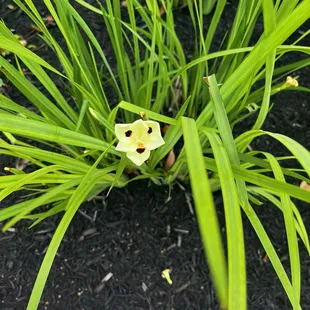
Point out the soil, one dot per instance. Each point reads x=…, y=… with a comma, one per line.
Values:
x=135, y=233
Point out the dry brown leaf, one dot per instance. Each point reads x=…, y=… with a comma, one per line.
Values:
x=304, y=185
x=132, y=171
x=21, y=164
x=170, y=160
x=162, y=10
x=23, y=42
x=36, y=28
x=49, y=19
x=165, y=129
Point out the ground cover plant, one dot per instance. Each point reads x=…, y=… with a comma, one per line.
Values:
x=71, y=147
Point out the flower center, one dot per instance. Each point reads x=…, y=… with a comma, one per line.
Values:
x=128, y=133
x=150, y=130
x=140, y=149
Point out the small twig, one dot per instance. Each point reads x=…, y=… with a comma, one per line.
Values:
x=189, y=203
x=182, y=231
x=86, y=216
x=179, y=242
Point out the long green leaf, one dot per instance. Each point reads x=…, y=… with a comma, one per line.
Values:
x=38, y=130
x=26, y=179
x=299, y=224
x=40, y=201
x=148, y=113
x=206, y=214
x=290, y=230
x=271, y=252
x=234, y=231
x=87, y=183
x=263, y=181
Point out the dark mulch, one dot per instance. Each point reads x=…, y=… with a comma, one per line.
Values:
x=135, y=233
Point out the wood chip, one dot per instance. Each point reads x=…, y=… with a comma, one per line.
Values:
x=189, y=203
x=179, y=242
x=144, y=287
x=168, y=229
x=182, y=231
x=107, y=277
x=89, y=231
x=183, y=287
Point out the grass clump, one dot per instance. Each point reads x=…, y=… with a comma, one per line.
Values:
x=72, y=149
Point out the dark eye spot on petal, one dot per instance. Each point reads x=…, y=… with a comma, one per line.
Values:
x=150, y=130
x=128, y=133
x=140, y=150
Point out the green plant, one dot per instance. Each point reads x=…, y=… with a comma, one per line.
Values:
x=151, y=70
x=207, y=5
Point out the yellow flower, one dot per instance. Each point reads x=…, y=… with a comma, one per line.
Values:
x=291, y=82
x=166, y=275
x=138, y=139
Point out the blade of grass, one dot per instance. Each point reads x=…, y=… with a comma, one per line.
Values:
x=9, y=105
x=46, y=107
x=74, y=203
x=65, y=162
x=252, y=160
x=223, y=125
x=299, y=224
x=234, y=231
x=263, y=181
x=258, y=55
x=269, y=25
x=171, y=137
x=15, y=209
x=119, y=171
x=272, y=254
x=301, y=154
x=38, y=130
x=102, y=120
x=26, y=179
x=40, y=201
x=290, y=230
x=152, y=115
x=16, y=48
x=206, y=213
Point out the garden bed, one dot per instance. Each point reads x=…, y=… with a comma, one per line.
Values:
x=115, y=249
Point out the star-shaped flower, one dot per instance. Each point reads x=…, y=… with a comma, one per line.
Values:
x=138, y=139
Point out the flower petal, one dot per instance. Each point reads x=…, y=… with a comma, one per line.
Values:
x=139, y=129
x=126, y=145
x=155, y=139
x=139, y=158
x=120, y=130
x=154, y=144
